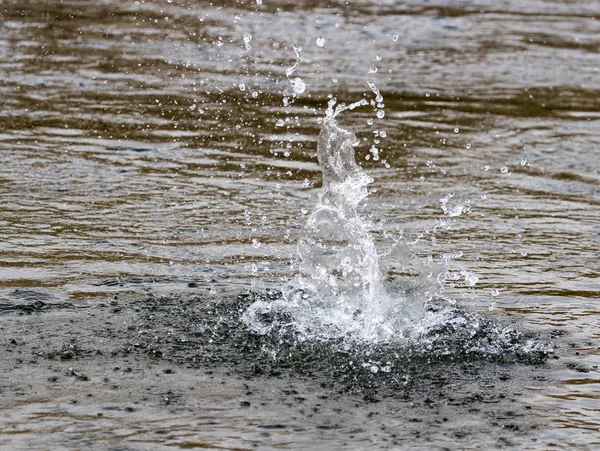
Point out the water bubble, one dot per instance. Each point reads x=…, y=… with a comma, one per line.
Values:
x=372, y=70
x=456, y=130
x=494, y=292
x=280, y=123
x=320, y=41
x=380, y=114
x=255, y=243
x=370, y=121
x=254, y=94
x=523, y=162
x=378, y=57
x=242, y=87
x=504, y=169
x=468, y=146
x=383, y=133
x=395, y=37
x=335, y=80
x=486, y=167
x=259, y=2
x=427, y=94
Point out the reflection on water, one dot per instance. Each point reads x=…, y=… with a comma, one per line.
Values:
x=145, y=146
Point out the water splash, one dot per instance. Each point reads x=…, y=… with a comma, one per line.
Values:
x=342, y=289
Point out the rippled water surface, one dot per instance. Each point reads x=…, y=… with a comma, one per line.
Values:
x=147, y=147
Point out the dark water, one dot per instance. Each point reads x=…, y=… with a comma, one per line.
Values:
x=145, y=147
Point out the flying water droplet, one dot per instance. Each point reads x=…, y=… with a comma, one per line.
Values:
x=247, y=39
x=395, y=37
x=298, y=85
x=320, y=41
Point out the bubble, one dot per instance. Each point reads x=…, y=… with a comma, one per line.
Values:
x=395, y=37
x=494, y=292
x=242, y=87
x=468, y=146
x=372, y=70
x=383, y=133
x=486, y=167
x=380, y=114
x=456, y=130
x=255, y=243
x=504, y=169
x=320, y=41
x=523, y=162
x=259, y=2
x=378, y=57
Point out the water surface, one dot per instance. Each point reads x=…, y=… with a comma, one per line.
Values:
x=145, y=147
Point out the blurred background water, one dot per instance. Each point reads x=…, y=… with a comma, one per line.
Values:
x=145, y=146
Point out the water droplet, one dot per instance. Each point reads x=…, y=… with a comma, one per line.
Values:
x=470, y=279
x=242, y=87
x=494, y=292
x=504, y=169
x=298, y=85
x=335, y=80
x=259, y=2
x=320, y=41
x=370, y=121
x=383, y=133
x=395, y=37
x=486, y=167
x=468, y=146
x=378, y=57
x=247, y=39
x=254, y=95
x=280, y=123
x=380, y=114
x=427, y=94
x=523, y=162
x=456, y=130
x=372, y=70
x=255, y=243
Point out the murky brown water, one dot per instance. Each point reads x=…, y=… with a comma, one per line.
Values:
x=145, y=145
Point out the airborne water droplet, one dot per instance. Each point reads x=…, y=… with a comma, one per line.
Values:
x=247, y=39
x=320, y=41
x=395, y=37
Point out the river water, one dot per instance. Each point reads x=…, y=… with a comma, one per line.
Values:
x=158, y=147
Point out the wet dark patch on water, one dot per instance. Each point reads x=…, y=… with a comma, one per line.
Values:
x=163, y=352
x=200, y=333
